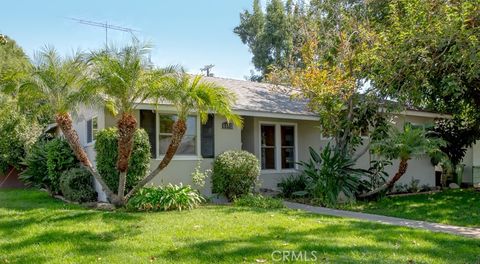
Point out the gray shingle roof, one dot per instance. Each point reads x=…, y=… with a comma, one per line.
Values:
x=261, y=97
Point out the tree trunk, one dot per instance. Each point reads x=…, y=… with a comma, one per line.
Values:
x=64, y=121
x=127, y=124
x=179, y=128
x=402, y=169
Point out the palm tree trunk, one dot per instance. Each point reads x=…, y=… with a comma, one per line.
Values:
x=179, y=128
x=402, y=169
x=127, y=124
x=64, y=121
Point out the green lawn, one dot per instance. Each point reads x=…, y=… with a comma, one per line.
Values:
x=454, y=207
x=34, y=228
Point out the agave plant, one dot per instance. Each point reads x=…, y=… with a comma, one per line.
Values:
x=329, y=173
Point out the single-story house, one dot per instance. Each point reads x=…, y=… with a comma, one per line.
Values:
x=276, y=129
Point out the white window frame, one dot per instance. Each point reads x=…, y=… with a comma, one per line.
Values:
x=278, y=145
x=196, y=156
x=93, y=133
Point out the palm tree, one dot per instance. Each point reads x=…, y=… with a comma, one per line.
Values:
x=62, y=85
x=189, y=94
x=403, y=145
x=125, y=77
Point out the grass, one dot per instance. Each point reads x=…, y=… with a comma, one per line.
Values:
x=455, y=207
x=35, y=228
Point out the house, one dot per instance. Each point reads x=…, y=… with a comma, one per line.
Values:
x=276, y=129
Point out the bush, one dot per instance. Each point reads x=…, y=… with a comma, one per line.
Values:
x=60, y=158
x=235, y=173
x=330, y=173
x=258, y=201
x=36, y=173
x=76, y=185
x=291, y=184
x=166, y=198
x=17, y=136
x=107, y=153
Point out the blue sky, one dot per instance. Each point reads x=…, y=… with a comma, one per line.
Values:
x=189, y=32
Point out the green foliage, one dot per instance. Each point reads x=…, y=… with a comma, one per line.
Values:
x=330, y=173
x=235, y=173
x=17, y=135
x=107, y=154
x=60, y=158
x=165, y=198
x=272, y=35
x=459, y=135
x=407, y=143
x=292, y=184
x=376, y=177
x=76, y=185
x=199, y=176
x=36, y=172
x=258, y=201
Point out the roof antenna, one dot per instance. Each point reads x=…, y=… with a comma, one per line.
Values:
x=207, y=69
x=106, y=26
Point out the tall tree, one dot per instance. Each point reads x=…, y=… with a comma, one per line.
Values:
x=125, y=76
x=271, y=35
x=428, y=54
x=62, y=84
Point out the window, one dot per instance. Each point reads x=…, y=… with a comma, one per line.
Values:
x=188, y=146
x=288, y=147
x=207, y=138
x=268, y=147
x=92, y=129
x=278, y=146
x=148, y=123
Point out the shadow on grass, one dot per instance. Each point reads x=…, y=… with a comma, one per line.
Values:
x=327, y=242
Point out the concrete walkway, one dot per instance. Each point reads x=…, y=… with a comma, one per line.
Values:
x=456, y=230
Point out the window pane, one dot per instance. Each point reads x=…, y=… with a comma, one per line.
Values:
x=268, y=135
x=94, y=128
x=147, y=122
x=188, y=146
x=166, y=123
x=89, y=131
x=207, y=138
x=268, y=158
x=288, y=136
x=288, y=158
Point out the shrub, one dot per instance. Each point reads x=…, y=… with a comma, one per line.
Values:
x=76, y=185
x=258, y=201
x=165, y=198
x=17, y=136
x=330, y=173
x=292, y=184
x=235, y=173
x=60, y=158
x=107, y=153
x=36, y=173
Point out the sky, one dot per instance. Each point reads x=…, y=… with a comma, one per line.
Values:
x=191, y=33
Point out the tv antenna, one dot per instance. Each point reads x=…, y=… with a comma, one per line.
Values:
x=207, y=69
x=106, y=26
